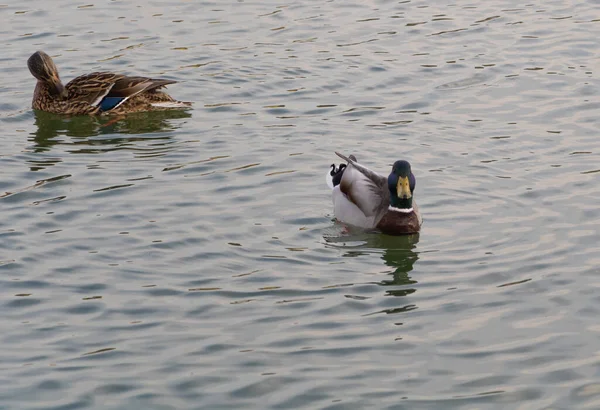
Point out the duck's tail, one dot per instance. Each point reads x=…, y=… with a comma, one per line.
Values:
x=334, y=175
x=171, y=104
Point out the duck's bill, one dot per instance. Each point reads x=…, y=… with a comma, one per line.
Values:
x=403, y=188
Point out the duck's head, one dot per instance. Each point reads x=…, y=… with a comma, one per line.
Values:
x=401, y=183
x=42, y=67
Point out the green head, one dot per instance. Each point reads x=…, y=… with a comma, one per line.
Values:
x=401, y=183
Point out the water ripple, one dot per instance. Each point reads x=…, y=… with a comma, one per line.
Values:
x=190, y=259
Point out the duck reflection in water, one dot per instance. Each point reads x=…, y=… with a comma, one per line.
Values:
x=51, y=128
x=398, y=253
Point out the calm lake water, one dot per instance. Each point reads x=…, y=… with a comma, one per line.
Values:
x=190, y=260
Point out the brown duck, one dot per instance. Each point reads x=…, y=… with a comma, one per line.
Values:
x=96, y=93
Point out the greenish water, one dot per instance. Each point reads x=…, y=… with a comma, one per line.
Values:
x=190, y=260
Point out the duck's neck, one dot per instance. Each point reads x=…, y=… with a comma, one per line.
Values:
x=401, y=204
x=40, y=94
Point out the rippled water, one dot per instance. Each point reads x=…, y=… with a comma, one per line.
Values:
x=189, y=259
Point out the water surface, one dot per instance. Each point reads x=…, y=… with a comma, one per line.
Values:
x=190, y=260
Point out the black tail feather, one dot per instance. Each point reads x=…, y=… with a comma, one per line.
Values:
x=337, y=173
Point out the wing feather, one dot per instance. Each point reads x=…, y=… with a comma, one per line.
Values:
x=365, y=188
x=130, y=86
x=94, y=87
x=91, y=88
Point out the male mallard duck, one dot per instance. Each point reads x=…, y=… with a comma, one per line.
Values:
x=369, y=200
x=96, y=93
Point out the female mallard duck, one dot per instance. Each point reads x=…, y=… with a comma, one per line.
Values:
x=369, y=200
x=96, y=93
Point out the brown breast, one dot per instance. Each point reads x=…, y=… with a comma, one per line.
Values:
x=398, y=223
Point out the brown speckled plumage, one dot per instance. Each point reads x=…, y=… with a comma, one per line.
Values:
x=85, y=94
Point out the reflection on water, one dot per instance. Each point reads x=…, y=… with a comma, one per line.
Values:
x=50, y=126
x=396, y=251
x=146, y=122
x=97, y=135
x=399, y=255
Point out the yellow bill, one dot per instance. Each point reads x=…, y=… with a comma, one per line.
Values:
x=403, y=188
